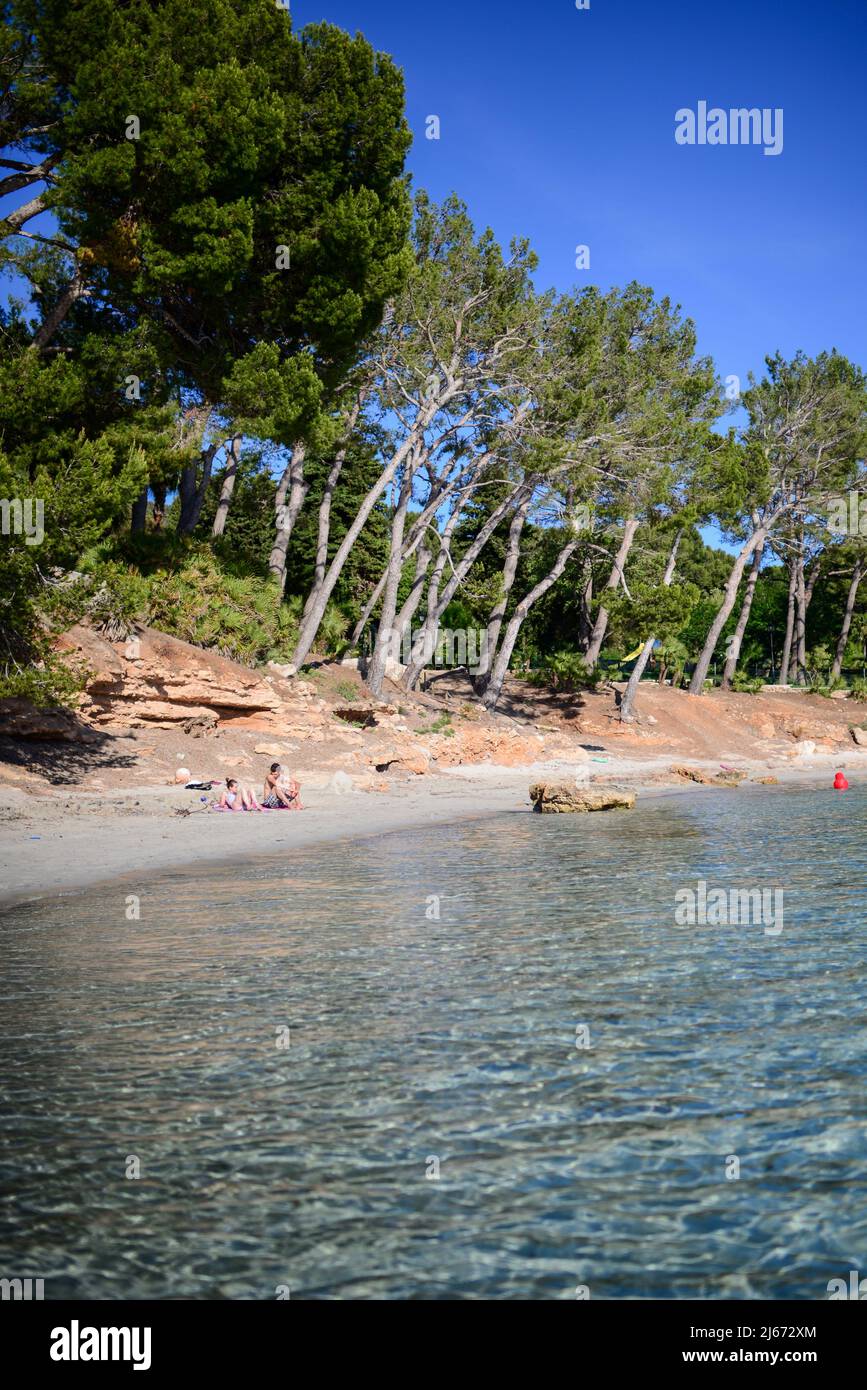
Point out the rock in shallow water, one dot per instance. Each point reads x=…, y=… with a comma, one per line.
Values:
x=729, y=777
x=558, y=798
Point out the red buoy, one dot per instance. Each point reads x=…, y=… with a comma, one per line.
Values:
x=840, y=783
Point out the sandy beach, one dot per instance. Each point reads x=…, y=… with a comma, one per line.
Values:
x=98, y=798
x=89, y=839
x=71, y=841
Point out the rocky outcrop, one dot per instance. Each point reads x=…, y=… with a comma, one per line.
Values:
x=85, y=650
x=860, y=737
x=201, y=726
x=561, y=798
x=159, y=681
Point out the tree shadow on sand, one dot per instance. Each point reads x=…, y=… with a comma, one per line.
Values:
x=519, y=700
x=63, y=762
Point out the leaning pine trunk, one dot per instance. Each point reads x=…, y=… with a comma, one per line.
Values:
x=324, y=520
x=738, y=637
x=809, y=590
x=798, y=672
x=851, y=599
x=628, y=701
x=600, y=627
x=585, y=620
x=414, y=540
x=425, y=638
x=311, y=622
x=288, y=501
x=412, y=445
x=228, y=487
x=731, y=592
x=320, y=563
x=803, y=597
x=783, y=677
x=413, y=598
x=365, y=612
x=75, y=290
x=494, y=688
x=192, y=493
x=379, y=660
x=498, y=612
x=462, y=569
x=635, y=675
x=437, y=498
x=411, y=603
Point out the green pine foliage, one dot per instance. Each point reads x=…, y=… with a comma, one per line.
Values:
x=229, y=253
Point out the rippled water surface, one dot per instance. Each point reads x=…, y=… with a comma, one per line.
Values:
x=307, y=1159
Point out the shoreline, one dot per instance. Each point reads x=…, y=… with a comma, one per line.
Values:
x=90, y=840
x=334, y=819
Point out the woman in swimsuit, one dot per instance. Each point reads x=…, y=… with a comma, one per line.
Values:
x=236, y=798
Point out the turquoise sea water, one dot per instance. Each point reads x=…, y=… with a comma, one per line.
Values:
x=306, y=1159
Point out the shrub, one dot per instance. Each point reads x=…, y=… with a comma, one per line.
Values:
x=441, y=725
x=566, y=671
x=243, y=618
x=331, y=636
x=110, y=596
x=819, y=661
x=46, y=681
x=746, y=685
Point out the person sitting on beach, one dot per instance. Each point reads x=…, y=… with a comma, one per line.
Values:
x=278, y=795
x=236, y=798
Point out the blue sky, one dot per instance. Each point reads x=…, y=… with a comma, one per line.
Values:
x=558, y=124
